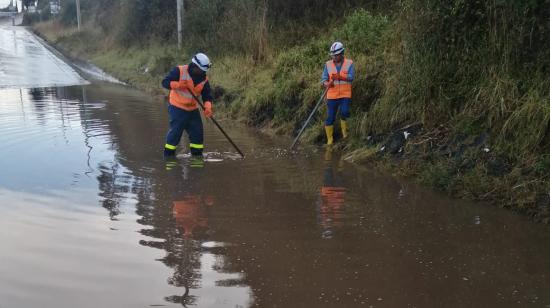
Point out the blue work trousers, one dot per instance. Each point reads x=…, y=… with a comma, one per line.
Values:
x=332, y=107
x=189, y=121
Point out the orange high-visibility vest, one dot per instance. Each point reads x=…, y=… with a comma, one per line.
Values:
x=342, y=88
x=182, y=98
x=333, y=197
x=190, y=214
x=331, y=209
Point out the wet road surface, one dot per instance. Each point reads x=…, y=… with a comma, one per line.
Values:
x=25, y=62
x=91, y=215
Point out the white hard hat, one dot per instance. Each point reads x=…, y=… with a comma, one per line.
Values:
x=336, y=48
x=202, y=61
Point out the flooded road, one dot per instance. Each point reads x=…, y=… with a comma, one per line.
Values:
x=26, y=62
x=91, y=215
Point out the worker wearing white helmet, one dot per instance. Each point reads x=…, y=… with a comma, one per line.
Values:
x=338, y=75
x=183, y=109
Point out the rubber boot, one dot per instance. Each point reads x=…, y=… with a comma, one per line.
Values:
x=344, y=127
x=196, y=161
x=170, y=164
x=329, y=130
x=169, y=153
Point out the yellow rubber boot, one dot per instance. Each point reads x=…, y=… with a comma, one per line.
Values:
x=329, y=129
x=344, y=127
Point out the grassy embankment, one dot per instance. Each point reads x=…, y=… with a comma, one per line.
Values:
x=468, y=83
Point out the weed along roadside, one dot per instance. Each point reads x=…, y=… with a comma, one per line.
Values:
x=459, y=101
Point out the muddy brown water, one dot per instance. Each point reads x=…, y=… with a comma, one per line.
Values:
x=91, y=215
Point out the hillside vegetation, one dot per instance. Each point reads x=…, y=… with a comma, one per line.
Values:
x=455, y=93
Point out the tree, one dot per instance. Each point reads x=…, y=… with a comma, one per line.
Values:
x=27, y=3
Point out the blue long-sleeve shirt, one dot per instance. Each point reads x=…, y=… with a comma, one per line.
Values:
x=174, y=75
x=351, y=72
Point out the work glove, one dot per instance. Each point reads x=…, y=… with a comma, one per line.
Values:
x=328, y=84
x=179, y=85
x=208, y=109
x=337, y=77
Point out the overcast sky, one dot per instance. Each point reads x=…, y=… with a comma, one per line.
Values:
x=4, y=3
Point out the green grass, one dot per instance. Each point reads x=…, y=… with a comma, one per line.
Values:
x=459, y=82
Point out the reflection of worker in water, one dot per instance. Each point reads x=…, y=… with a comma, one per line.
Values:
x=330, y=205
x=191, y=162
x=191, y=213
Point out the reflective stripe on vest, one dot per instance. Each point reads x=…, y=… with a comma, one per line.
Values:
x=342, y=88
x=182, y=98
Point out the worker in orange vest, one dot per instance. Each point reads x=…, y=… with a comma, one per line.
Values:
x=184, y=81
x=338, y=75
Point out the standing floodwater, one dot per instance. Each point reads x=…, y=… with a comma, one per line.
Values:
x=26, y=62
x=91, y=215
